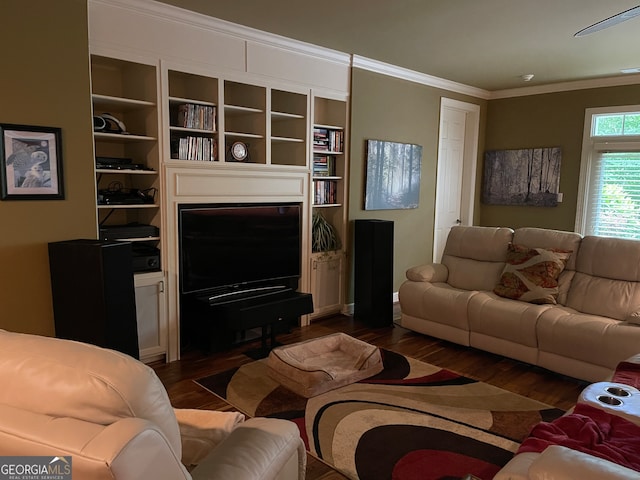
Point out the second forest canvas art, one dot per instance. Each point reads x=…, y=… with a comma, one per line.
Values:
x=526, y=177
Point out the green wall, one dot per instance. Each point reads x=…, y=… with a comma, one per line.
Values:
x=387, y=108
x=549, y=120
x=44, y=81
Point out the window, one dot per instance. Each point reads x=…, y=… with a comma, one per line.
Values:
x=609, y=192
x=617, y=124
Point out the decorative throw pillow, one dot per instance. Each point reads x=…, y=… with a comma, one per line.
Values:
x=531, y=274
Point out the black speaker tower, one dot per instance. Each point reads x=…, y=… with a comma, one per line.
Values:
x=373, y=272
x=94, y=293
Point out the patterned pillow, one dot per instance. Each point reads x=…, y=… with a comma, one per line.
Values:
x=531, y=274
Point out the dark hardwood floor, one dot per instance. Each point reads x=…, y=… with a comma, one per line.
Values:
x=561, y=392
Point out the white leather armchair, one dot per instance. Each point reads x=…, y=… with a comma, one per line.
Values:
x=112, y=415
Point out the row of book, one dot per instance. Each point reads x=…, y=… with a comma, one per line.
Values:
x=328, y=139
x=325, y=192
x=324, y=166
x=195, y=148
x=191, y=115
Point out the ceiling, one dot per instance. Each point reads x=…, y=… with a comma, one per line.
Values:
x=488, y=44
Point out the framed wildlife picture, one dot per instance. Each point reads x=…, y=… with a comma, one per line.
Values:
x=30, y=163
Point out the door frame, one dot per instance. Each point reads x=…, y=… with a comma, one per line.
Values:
x=469, y=163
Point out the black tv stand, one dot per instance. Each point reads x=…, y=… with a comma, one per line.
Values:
x=217, y=322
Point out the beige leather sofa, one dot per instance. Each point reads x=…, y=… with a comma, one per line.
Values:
x=594, y=324
x=112, y=415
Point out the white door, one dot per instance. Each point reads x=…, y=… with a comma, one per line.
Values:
x=457, y=159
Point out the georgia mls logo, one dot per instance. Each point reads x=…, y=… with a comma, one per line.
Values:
x=35, y=468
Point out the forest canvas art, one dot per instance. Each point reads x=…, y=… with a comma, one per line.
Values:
x=393, y=175
x=526, y=177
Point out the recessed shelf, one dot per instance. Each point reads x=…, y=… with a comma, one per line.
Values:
x=121, y=103
x=120, y=137
x=128, y=206
x=126, y=171
x=286, y=116
x=191, y=130
x=328, y=127
x=243, y=135
x=238, y=110
x=287, y=140
x=177, y=100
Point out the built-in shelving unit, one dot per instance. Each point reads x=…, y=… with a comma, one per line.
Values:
x=261, y=93
x=128, y=179
x=329, y=193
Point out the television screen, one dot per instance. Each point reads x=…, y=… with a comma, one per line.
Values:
x=224, y=245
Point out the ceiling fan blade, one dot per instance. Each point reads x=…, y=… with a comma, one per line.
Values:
x=609, y=22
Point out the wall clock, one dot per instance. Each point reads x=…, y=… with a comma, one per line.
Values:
x=239, y=152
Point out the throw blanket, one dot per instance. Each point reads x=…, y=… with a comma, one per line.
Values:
x=590, y=430
x=628, y=373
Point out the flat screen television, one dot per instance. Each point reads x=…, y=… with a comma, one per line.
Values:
x=228, y=247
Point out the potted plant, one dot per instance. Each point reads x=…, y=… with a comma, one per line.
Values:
x=323, y=235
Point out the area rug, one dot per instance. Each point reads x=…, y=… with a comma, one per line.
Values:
x=411, y=421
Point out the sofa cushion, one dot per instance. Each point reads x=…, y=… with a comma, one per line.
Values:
x=531, y=274
x=475, y=256
x=607, y=280
x=592, y=339
x=504, y=319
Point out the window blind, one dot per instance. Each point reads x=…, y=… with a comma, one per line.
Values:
x=614, y=200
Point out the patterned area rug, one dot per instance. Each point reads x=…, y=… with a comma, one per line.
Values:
x=411, y=421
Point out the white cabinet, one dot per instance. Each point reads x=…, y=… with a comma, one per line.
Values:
x=152, y=320
x=327, y=283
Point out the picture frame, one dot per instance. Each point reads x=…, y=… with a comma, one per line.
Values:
x=392, y=175
x=522, y=177
x=30, y=163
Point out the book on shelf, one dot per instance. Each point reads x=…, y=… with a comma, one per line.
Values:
x=201, y=117
x=325, y=192
x=324, y=166
x=195, y=148
x=328, y=139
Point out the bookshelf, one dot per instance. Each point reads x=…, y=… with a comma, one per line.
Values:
x=289, y=126
x=128, y=179
x=328, y=197
x=193, y=114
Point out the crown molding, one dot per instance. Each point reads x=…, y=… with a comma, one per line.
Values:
x=171, y=13
x=417, y=77
x=619, y=80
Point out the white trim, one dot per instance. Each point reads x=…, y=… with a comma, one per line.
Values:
x=199, y=20
x=590, y=145
x=469, y=163
x=417, y=77
x=566, y=86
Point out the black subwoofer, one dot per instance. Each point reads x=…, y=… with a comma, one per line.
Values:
x=373, y=272
x=94, y=294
